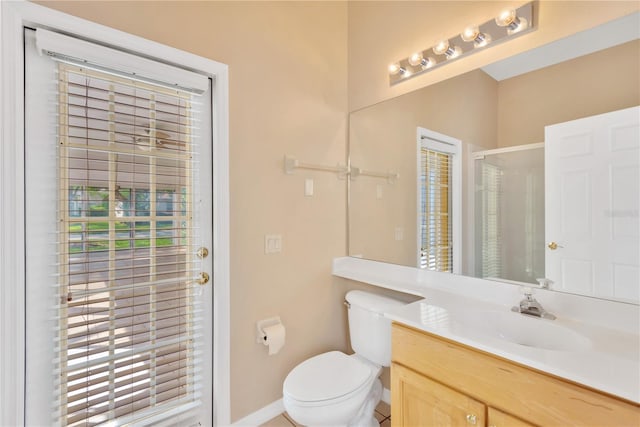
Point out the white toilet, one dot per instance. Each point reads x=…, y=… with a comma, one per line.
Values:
x=335, y=389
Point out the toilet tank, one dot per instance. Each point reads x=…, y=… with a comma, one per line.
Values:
x=369, y=330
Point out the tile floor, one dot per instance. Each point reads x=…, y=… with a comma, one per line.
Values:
x=383, y=415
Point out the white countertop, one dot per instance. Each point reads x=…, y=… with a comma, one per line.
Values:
x=608, y=358
x=610, y=364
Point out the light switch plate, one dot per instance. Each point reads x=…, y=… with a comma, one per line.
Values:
x=399, y=233
x=272, y=243
x=308, y=187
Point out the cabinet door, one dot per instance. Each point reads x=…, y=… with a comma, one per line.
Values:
x=500, y=419
x=417, y=401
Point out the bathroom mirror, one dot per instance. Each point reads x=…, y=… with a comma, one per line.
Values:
x=499, y=113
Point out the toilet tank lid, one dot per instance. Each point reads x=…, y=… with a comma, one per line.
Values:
x=371, y=301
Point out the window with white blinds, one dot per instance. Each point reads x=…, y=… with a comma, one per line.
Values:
x=128, y=317
x=435, y=210
x=439, y=199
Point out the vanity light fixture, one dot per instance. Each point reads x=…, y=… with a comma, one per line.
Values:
x=507, y=25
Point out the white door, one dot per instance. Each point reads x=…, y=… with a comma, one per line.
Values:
x=118, y=201
x=592, y=217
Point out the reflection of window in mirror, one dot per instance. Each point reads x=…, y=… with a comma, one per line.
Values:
x=488, y=208
x=439, y=202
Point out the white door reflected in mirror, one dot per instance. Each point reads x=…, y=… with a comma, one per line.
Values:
x=593, y=203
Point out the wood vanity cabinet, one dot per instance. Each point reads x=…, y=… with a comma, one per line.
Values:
x=437, y=382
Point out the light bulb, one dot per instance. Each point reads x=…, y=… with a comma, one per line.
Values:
x=441, y=47
x=473, y=34
x=418, y=60
x=506, y=17
x=395, y=68
x=519, y=24
x=470, y=33
x=428, y=62
x=514, y=23
x=482, y=40
x=415, y=59
x=453, y=52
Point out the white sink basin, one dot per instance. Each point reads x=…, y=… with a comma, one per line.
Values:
x=520, y=329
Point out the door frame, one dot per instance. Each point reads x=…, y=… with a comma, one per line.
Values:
x=14, y=16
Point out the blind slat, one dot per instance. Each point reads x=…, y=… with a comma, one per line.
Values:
x=130, y=297
x=78, y=390
x=153, y=415
x=80, y=293
x=131, y=352
x=168, y=354
x=139, y=398
x=159, y=315
x=79, y=393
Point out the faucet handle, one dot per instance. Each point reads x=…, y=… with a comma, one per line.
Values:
x=544, y=283
x=527, y=291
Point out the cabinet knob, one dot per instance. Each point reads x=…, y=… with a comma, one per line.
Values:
x=472, y=419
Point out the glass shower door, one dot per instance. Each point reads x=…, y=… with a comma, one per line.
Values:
x=509, y=219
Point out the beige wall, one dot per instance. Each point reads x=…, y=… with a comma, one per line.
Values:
x=381, y=33
x=288, y=95
x=604, y=81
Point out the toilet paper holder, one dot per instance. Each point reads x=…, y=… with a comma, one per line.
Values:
x=261, y=336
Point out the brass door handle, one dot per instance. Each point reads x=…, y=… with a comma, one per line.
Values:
x=202, y=252
x=553, y=246
x=203, y=279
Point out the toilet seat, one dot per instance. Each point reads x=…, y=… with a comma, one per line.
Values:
x=331, y=376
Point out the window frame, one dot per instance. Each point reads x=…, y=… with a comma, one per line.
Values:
x=15, y=16
x=435, y=141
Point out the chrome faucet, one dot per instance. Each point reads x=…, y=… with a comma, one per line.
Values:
x=530, y=306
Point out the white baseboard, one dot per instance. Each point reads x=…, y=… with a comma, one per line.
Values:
x=261, y=416
x=276, y=408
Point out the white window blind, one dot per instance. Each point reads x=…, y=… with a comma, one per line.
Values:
x=436, y=251
x=489, y=227
x=128, y=344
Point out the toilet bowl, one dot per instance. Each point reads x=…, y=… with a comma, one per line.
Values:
x=329, y=389
x=335, y=389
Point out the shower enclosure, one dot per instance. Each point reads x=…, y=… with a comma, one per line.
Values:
x=509, y=213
